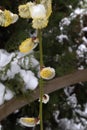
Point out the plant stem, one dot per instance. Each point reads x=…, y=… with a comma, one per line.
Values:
x=41, y=80
x=38, y=1
x=41, y=48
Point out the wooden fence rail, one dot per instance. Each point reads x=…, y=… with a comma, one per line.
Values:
x=49, y=87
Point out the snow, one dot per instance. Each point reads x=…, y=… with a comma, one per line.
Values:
x=5, y=57
x=81, y=67
x=14, y=69
x=65, y=123
x=69, y=90
x=8, y=95
x=78, y=11
x=2, y=91
x=5, y=94
x=34, y=62
x=70, y=49
x=28, y=62
x=0, y=127
x=61, y=37
x=82, y=49
x=72, y=100
x=65, y=21
x=15, y=62
x=84, y=40
x=30, y=80
x=84, y=29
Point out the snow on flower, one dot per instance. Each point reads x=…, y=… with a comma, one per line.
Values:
x=29, y=121
x=7, y=18
x=27, y=45
x=5, y=57
x=38, y=11
x=31, y=82
x=45, y=98
x=47, y=73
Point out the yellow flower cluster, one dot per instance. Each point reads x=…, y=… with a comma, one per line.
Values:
x=29, y=121
x=7, y=18
x=28, y=45
x=39, y=23
x=47, y=73
x=40, y=13
x=24, y=10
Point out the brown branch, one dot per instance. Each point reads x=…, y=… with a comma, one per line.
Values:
x=50, y=86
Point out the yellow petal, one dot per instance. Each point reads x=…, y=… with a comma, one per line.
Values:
x=24, y=10
x=8, y=18
x=48, y=6
x=27, y=45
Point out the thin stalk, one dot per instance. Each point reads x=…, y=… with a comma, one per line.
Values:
x=41, y=80
x=38, y=1
x=41, y=48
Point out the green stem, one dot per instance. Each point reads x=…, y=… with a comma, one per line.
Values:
x=38, y=1
x=41, y=48
x=41, y=80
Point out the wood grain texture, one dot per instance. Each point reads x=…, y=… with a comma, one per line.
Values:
x=49, y=87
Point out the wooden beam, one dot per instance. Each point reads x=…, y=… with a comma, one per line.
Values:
x=49, y=87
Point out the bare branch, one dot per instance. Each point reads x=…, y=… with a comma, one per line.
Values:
x=49, y=87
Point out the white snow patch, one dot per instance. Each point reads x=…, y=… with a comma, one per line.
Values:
x=8, y=95
x=30, y=80
x=2, y=92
